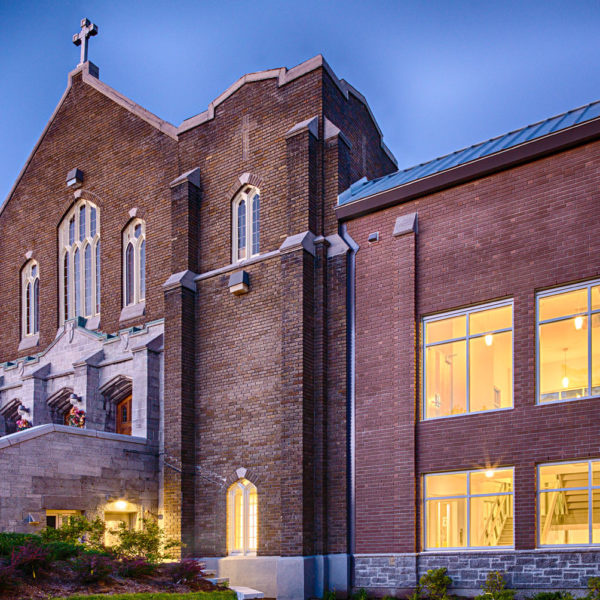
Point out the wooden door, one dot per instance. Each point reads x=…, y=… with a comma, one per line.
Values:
x=124, y=416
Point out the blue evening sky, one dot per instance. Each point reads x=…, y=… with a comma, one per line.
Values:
x=439, y=75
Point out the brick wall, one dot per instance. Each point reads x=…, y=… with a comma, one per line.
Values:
x=127, y=163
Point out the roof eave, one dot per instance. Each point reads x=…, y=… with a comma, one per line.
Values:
x=487, y=165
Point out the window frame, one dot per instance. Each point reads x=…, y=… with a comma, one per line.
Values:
x=247, y=193
x=590, y=489
x=247, y=488
x=128, y=238
x=68, y=294
x=30, y=317
x=467, y=496
x=457, y=313
x=588, y=314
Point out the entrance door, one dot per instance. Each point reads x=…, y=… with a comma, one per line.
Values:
x=124, y=416
x=113, y=522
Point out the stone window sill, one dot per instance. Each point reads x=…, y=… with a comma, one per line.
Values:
x=132, y=311
x=31, y=341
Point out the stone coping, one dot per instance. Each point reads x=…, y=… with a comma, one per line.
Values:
x=15, y=439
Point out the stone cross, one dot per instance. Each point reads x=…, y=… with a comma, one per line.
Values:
x=247, y=125
x=88, y=29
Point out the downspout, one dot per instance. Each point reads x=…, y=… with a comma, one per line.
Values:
x=351, y=393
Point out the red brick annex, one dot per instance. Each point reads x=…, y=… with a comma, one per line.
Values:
x=318, y=371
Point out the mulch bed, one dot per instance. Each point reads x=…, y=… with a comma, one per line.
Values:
x=60, y=582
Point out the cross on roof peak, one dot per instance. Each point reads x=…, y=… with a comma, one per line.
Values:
x=88, y=29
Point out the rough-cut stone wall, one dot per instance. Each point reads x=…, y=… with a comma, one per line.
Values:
x=62, y=468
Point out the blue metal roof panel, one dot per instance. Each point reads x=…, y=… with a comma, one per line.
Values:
x=364, y=188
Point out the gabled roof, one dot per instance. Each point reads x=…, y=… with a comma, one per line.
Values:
x=364, y=188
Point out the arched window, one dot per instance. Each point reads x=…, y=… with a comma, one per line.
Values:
x=79, y=262
x=246, y=224
x=242, y=517
x=134, y=262
x=30, y=299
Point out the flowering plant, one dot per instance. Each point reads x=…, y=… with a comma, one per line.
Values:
x=23, y=424
x=76, y=417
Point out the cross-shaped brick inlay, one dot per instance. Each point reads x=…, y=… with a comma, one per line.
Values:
x=88, y=29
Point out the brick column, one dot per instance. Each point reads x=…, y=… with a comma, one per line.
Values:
x=179, y=445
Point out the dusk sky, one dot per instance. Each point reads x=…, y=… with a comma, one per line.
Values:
x=438, y=75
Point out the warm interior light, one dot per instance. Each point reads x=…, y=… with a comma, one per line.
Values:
x=120, y=505
x=490, y=473
x=489, y=339
x=565, y=382
x=578, y=322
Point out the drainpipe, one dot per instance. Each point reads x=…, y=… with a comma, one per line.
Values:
x=351, y=392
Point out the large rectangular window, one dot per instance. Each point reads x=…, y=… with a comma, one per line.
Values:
x=569, y=343
x=569, y=503
x=468, y=361
x=472, y=509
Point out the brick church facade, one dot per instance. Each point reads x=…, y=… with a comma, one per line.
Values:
x=275, y=339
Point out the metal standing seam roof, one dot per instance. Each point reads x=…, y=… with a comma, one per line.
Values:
x=364, y=188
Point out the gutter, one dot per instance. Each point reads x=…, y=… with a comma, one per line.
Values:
x=351, y=394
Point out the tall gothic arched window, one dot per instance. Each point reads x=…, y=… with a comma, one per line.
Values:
x=30, y=299
x=79, y=261
x=246, y=223
x=242, y=517
x=134, y=262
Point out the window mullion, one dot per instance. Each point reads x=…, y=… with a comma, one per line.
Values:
x=468, y=364
x=249, y=244
x=589, y=340
x=468, y=511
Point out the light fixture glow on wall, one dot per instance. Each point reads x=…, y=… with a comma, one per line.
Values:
x=490, y=473
x=578, y=322
x=120, y=504
x=489, y=338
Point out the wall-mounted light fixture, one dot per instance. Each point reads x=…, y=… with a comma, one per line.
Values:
x=23, y=410
x=239, y=283
x=74, y=399
x=74, y=179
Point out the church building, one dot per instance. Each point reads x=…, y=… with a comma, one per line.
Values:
x=316, y=371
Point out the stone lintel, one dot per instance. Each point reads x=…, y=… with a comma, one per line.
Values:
x=405, y=224
x=182, y=279
x=193, y=176
x=304, y=240
x=312, y=125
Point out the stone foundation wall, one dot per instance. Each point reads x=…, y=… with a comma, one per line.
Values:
x=523, y=570
x=54, y=467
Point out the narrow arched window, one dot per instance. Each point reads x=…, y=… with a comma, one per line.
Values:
x=134, y=262
x=79, y=261
x=30, y=303
x=246, y=224
x=242, y=517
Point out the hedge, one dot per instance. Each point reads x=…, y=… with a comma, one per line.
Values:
x=220, y=595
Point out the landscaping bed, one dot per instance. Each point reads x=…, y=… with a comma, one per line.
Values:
x=219, y=595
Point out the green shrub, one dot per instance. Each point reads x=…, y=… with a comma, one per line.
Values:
x=494, y=588
x=220, y=595
x=329, y=595
x=77, y=530
x=593, y=588
x=63, y=550
x=435, y=584
x=150, y=542
x=11, y=541
x=552, y=596
x=360, y=594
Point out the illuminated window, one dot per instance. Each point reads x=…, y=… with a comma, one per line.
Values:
x=569, y=343
x=30, y=299
x=242, y=518
x=246, y=224
x=468, y=361
x=134, y=262
x=79, y=262
x=471, y=509
x=569, y=503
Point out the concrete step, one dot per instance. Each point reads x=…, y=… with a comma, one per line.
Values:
x=245, y=593
x=218, y=580
x=209, y=573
